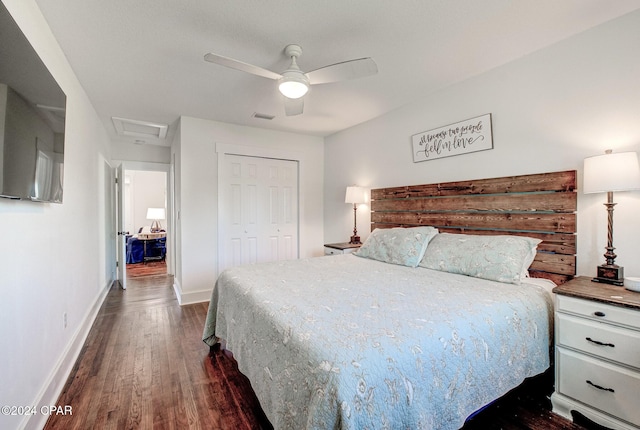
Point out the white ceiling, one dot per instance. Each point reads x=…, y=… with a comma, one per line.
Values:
x=143, y=59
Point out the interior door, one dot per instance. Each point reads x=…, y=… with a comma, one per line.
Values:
x=280, y=203
x=258, y=210
x=121, y=238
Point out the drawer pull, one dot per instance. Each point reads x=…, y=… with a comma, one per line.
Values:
x=599, y=314
x=611, y=390
x=597, y=342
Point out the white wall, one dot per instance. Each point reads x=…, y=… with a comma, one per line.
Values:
x=551, y=109
x=148, y=190
x=196, y=196
x=175, y=230
x=52, y=258
x=121, y=150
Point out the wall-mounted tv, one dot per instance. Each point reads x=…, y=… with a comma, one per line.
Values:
x=32, y=120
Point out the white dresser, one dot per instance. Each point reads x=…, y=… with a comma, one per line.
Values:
x=597, y=353
x=340, y=248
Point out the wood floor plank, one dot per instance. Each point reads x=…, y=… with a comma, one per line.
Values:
x=144, y=366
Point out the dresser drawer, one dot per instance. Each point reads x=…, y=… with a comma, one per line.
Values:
x=598, y=311
x=597, y=338
x=332, y=251
x=335, y=251
x=619, y=387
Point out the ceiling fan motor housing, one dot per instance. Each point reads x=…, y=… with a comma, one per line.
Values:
x=293, y=50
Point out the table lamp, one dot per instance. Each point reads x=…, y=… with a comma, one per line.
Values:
x=355, y=195
x=608, y=173
x=155, y=214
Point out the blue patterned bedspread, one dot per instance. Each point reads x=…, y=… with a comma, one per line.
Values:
x=344, y=342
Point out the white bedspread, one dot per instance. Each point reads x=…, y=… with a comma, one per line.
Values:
x=344, y=342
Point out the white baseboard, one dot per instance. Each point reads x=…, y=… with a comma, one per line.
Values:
x=56, y=381
x=191, y=297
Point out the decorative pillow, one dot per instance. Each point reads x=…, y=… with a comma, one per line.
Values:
x=403, y=246
x=497, y=258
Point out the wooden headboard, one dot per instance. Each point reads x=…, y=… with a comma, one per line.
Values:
x=541, y=206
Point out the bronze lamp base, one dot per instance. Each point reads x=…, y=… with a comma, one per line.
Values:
x=610, y=274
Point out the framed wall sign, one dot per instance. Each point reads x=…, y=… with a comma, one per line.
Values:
x=471, y=135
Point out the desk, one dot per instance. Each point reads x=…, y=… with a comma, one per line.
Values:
x=147, y=236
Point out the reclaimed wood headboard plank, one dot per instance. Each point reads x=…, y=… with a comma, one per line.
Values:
x=555, y=181
x=549, y=222
x=540, y=205
x=547, y=201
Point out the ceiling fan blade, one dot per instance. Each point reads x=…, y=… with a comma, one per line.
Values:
x=239, y=65
x=293, y=107
x=346, y=70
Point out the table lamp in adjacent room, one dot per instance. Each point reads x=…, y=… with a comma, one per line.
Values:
x=608, y=173
x=355, y=195
x=155, y=214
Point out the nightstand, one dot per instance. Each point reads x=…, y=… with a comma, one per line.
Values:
x=340, y=248
x=597, y=353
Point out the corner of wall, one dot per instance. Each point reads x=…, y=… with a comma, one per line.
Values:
x=192, y=296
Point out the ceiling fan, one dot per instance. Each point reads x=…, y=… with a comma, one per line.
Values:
x=293, y=83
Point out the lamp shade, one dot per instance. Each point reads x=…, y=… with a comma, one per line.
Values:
x=611, y=172
x=155, y=213
x=355, y=195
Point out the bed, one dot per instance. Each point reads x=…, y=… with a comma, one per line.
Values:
x=418, y=329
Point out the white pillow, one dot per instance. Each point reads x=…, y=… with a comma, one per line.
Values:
x=497, y=258
x=403, y=246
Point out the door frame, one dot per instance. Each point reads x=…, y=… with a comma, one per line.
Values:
x=120, y=234
x=223, y=149
x=153, y=167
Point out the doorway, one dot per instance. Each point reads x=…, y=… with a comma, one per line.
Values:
x=145, y=207
x=144, y=215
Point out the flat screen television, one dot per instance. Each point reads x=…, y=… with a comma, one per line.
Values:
x=32, y=120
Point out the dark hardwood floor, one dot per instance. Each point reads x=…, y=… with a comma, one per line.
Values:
x=150, y=268
x=145, y=366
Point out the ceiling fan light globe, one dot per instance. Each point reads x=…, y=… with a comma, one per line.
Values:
x=293, y=86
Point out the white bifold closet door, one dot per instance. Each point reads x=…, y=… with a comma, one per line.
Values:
x=258, y=210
